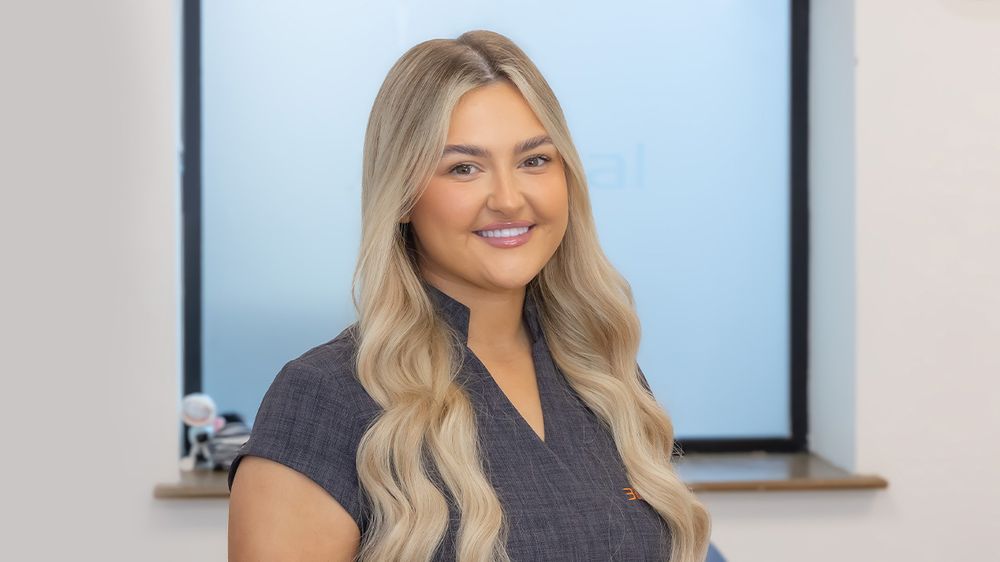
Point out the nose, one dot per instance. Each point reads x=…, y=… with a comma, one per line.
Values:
x=505, y=194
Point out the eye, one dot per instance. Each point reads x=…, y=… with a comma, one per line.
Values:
x=536, y=161
x=462, y=170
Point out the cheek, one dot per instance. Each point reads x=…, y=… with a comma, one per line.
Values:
x=443, y=211
x=555, y=199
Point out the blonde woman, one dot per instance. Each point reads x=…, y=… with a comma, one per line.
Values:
x=487, y=404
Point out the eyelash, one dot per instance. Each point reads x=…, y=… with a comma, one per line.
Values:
x=545, y=159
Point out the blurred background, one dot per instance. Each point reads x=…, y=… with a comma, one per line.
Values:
x=701, y=160
x=682, y=118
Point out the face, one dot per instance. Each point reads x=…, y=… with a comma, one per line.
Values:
x=496, y=208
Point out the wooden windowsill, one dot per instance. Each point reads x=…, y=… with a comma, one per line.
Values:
x=195, y=484
x=703, y=472
x=728, y=472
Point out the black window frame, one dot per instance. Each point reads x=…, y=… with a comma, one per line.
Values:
x=191, y=176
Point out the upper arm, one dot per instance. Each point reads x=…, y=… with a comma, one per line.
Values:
x=297, y=494
x=277, y=513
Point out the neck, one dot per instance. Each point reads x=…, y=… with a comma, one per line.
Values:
x=495, y=318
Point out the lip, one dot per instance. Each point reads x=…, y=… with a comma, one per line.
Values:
x=505, y=224
x=508, y=241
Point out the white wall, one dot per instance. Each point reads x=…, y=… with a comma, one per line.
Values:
x=90, y=329
x=905, y=336
x=90, y=286
x=832, y=290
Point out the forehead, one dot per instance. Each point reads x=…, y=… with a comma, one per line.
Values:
x=495, y=115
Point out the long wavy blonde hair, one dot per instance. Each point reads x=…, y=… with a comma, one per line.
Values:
x=407, y=356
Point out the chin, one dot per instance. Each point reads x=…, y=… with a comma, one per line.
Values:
x=512, y=282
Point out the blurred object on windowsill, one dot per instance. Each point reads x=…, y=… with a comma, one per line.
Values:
x=214, y=439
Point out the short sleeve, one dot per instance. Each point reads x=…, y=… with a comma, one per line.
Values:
x=306, y=422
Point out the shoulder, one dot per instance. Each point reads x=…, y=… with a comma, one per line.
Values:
x=312, y=419
x=329, y=372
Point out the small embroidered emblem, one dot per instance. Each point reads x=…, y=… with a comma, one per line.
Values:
x=631, y=494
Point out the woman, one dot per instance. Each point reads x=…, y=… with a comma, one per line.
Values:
x=487, y=405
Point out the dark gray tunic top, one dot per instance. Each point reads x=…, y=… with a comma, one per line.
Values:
x=567, y=497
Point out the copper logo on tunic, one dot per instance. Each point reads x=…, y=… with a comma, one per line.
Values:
x=631, y=494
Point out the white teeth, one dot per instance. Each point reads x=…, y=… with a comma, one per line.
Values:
x=503, y=233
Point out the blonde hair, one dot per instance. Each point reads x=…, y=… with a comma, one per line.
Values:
x=407, y=358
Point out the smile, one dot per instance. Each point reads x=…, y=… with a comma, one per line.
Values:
x=506, y=237
x=503, y=232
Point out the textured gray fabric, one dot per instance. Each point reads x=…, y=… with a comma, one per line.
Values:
x=566, y=498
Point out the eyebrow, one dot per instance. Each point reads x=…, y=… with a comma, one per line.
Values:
x=480, y=152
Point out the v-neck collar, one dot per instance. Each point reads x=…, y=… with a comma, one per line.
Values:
x=457, y=314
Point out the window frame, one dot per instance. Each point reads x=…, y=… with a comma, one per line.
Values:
x=191, y=185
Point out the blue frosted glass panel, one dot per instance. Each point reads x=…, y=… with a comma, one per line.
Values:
x=679, y=110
